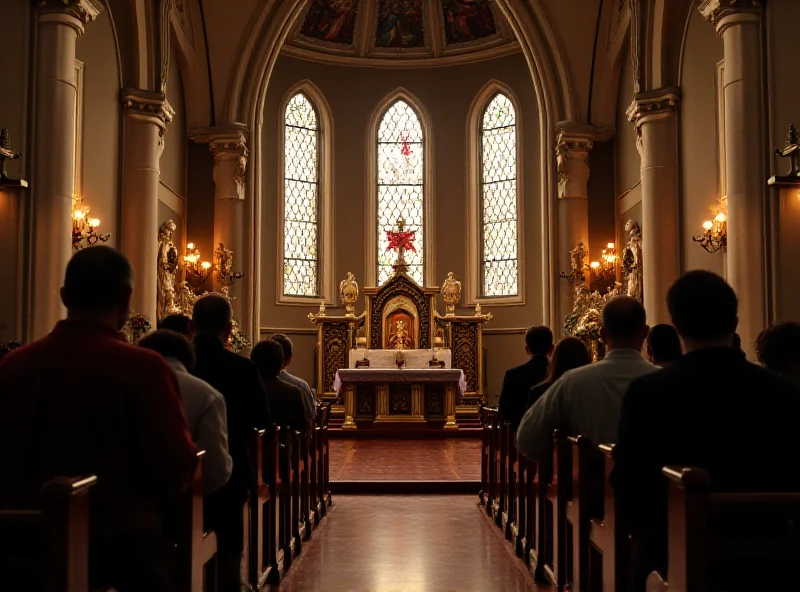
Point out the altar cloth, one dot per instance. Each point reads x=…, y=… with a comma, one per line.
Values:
x=385, y=358
x=393, y=375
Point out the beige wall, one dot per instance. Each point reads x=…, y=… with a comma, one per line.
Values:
x=101, y=124
x=446, y=94
x=627, y=161
x=173, y=163
x=14, y=28
x=700, y=189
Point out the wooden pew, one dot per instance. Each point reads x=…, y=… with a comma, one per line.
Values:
x=272, y=546
x=522, y=467
x=194, y=547
x=259, y=564
x=609, y=537
x=324, y=480
x=727, y=541
x=48, y=549
x=557, y=489
x=314, y=498
x=508, y=436
x=298, y=519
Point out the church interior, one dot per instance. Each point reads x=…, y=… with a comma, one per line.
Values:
x=402, y=188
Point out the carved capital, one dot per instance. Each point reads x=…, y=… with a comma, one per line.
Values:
x=573, y=143
x=146, y=105
x=716, y=11
x=73, y=13
x=228, y=144
x=652, y=105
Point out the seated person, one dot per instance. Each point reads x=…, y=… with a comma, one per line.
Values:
x=569, y=353
x=285, y=400
x=663, y=345
x=711, y=409
x=778, y=349
x=81, y=401
x=204, y=407
x=586, y=401
x=518, y=381
x=179, y=323
x=309, y=402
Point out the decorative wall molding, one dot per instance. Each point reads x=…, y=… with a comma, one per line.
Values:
x=716, y=10
x=147, y=105
x=505, y=330
x=650, y=105
x=78, y=13
x=264, y=331
x=80, y=91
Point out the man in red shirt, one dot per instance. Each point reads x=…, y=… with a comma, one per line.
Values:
x=81, y=401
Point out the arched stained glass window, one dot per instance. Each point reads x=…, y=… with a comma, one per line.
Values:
x=301, y=198
x=499, y=198
x=400, y=186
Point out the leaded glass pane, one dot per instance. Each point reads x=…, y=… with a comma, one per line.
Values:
x=301, y=199
x=499, y=198
x=400, y=186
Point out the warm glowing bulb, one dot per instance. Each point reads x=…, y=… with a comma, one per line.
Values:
x=190, y=246
x=205, y=265
x=594, y=264
x=720, y=217
x=79, y=214
x=610, y=245
x=94, y=222
x=707, y=225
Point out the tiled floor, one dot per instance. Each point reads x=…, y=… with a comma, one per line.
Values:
x=405, y=460
x=407, y=544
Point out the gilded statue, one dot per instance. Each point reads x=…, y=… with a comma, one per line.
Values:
x=451, y=293
x=167, y=269
x=224, y=266
x=400, y=339
x=632, y=260
x=348, y=292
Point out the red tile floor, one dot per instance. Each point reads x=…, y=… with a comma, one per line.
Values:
x=405, y=460
x=392, y=543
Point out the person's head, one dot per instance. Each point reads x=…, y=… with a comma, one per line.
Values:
x=569, y=353
x=212, y=315
x=268, y=356
x=98, y=285
x=663, y=345
x=539, y=341
x=288, y=348
x=624, y=324
x=703, y=308
x=170, y=345
x=179, y=323
x=778, y=348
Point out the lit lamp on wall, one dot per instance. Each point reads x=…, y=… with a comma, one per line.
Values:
x=197, y=271
x=604, y=272
x=84, y=228
x=715, y=233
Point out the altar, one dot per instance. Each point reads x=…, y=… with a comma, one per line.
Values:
x=389, y=395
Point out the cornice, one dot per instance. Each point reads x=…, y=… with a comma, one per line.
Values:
x=148, y=104
x=229, y=138
x=573, y=136
x=651, y=103
x=716, y=10
x=82, y=11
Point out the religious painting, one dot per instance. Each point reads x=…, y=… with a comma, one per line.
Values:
x=400, y=330
x=400, y=24
x=331, y=20
x=467, y=20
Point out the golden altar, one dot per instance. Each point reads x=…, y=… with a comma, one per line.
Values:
x=400, y=315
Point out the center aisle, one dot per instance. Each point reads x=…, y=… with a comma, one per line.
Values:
x=417, y=543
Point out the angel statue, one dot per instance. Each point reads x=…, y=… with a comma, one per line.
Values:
x=167, y=269
x=451, y=293
x=632, y=260
x=348, y=292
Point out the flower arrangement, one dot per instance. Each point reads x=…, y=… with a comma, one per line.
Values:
x=237, y=341
x=137, y=327
x=588, y=328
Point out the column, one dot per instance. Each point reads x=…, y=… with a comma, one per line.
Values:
x=59, y=24
x=573, y=144
x=655, y=115
x=738, y=23
x=146, y=115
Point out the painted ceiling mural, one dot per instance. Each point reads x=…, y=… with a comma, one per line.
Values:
x=398, y=29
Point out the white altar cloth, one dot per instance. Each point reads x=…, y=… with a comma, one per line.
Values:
x=386, y=358
x=394, y=375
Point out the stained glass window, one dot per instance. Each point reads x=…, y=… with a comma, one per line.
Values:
x=301, y=198
x=400, y=185
x=499, y=198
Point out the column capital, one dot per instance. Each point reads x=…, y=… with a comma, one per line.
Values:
x=573, y=143
x=717, y=12
x=229, y=139
x=73, y=13
x=147, y=105
x=653, y=105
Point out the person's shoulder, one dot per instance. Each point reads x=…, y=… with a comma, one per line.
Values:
x=769, y=381
x=521, y=369
x=199, y=388
x=287, y=387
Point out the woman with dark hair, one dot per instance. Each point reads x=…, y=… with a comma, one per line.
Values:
x=568, y=354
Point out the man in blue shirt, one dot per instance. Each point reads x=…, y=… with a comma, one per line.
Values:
x=309, y=402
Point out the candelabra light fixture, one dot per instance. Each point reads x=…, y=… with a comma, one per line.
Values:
x=715, y=232
x=606, y=269
x=197, y=271
x=84, y=227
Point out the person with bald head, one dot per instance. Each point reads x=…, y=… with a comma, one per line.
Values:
x=246, y=402
x=587, y=400
x=82, y=401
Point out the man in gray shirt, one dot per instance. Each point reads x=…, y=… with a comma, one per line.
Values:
x=309, y=402
x=587, y=401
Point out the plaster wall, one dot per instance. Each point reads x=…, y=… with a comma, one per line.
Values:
x=627, y=160
x=446, y=94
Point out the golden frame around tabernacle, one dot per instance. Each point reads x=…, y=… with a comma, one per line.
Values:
x=398, y=306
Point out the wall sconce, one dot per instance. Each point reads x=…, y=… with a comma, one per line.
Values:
x=84, y=228
x=715, y=232
x=577, y=273
x=606, y=269
x=196, y=270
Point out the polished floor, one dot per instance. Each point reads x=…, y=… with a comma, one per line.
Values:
x=405, y=460
x=435, y=543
